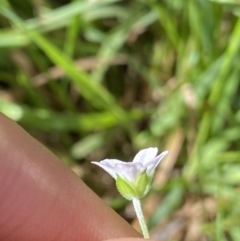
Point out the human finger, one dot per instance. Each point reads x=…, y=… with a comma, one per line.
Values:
x=42, y=199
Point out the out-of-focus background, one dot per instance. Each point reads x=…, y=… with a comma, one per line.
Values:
x=106, y=78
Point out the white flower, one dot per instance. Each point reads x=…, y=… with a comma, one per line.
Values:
x=133, y=179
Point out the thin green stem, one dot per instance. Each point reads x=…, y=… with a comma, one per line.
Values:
x=142, y=222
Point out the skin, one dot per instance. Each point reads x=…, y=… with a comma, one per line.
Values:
x=42, y=199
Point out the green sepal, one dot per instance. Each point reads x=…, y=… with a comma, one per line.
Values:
x=142, y=184
x=126, y=189
x=134, y=190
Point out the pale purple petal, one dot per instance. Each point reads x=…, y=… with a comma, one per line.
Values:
x=145, y=155
x=129, y=171
x=154, y=162
x=107, y=167
x=111, y=162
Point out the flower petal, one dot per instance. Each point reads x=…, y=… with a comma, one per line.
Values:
x=107, y=167
x=146, y=155
x=154, y=162
x=129, y=171
x=111, y=162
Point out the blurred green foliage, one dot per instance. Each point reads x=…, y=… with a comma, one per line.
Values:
x=105, y=78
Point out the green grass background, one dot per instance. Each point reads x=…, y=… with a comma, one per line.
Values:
x=106, y=78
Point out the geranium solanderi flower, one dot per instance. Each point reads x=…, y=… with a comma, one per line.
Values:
x=133, y=179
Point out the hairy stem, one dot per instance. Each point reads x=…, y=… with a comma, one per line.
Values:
x=142, y=222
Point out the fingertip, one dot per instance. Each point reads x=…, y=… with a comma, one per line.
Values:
x=41, y=199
